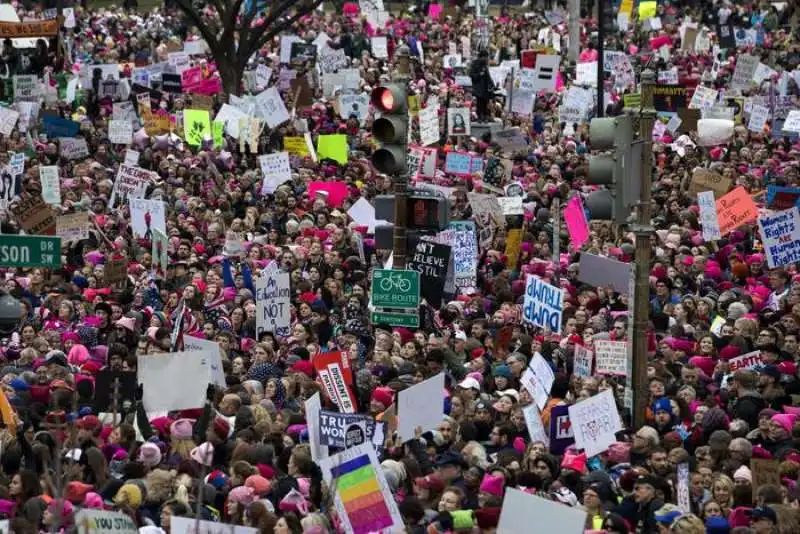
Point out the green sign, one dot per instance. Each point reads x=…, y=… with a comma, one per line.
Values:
x=408, y=320
x=395, y=289
x=633, y=100
x=30, y=251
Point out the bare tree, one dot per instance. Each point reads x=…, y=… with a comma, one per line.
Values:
x=234, y=34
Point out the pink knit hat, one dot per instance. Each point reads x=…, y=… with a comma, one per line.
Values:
x=576, y=462
x=492, y=484
x=785, y=420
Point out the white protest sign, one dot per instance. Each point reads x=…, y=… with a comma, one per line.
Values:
x=751, y=360
x=583, y=361
x=421, y=405
x=546, y=73
x=536, y=429
x=703, y=97
x=380, y=48
x=674, y=123
x=146, y=216
x=131, y=183
x=511, y=205
x=669, y=77
x=8, y=119
x=179, y=60
x=73, y=227
x=212, y=353
x=313, y=406
x=73, y=148
x=286, y=46
x=26, y=87
x=186, y=525
x=272, y=303
x=611, y=357
x=521, y=510
x=195, y=48
x=543, y=304
x=263, y=75
x=758, y=118
x=792, y=122
x=105, y=522
x=429, y=125
x=363, y=213
x=780, y=234
x=712, y=132
x=354, y=106
x=709, y=221
x=272, y=108
x=124, y=111
x=173, y=381
x=276, y=170
x=595, y=422
x=230, y=115
x=51, y=187
x=746, y=66
x=763, y=72
x=120, y=132
x=329, y=60
x=586, y=74
x=538, y=379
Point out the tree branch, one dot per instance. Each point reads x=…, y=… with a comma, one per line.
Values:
x=279, y=27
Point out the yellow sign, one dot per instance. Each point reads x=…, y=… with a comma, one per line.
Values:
x=196, y=126
x=513, y=244
x=647, y=10
x=296, y=146
x=413, y=105
x=155, y=124
x=333, y=147
x=626, y=6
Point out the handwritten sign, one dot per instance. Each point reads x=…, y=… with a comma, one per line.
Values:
x=595, y=422
x=543, y=304
x=34, y=216
x=751, y=360
x=704, y=180
x=735, y=209
x=611, y=357
x=780, y=233
x=583, y=361
x=73, y=227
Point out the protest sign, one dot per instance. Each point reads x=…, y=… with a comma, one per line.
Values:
x=458, y=121
x=73, y=148
x=575, y=219
x=561, y=434
x=34, y=216
x=703, y=97
x=583, y=361
x=709, y=221
x=459, y=163
x=511, y=205
x=115, y=270
x=510, y=139
x=229, y=116
x=131, y=183
x=313, y=406
x=705, y=180
x=521, y=510
x=486, y=209
x=363, y=500
x=363, y=213
x=421, y=405
x=735, y=209
x=73, y=227
x=173, y=381
x=765, y=472
x=465, y=259
x=611, y=357
x=746, y=66
x=189, y=525
x=272, y=303
x=431, y=261
x=782, y=197
x=354, y=106
x=604, y=272
x=147, y=215
x=543, y=304
x=124, y=111
x=8, y=119
x=684, y=497
x=131, y=157
x=104, y=522
x=212, y=352
x=160, y=250
x=536, y=429
x=333, y=428
x=196, y=126
x=336, y=376
x=538, y=379
x=513, y=247
x=429, y=125
x=155, y=123
x=759, y=116
x=751, y=360
x=51, y=186
x=26, y=87
x=275, y=170
x=120, y=132
x=333, y=146
x=595, y=422
x=379, y=47
x=55, y=126
x=271, y=107
x=780, y=234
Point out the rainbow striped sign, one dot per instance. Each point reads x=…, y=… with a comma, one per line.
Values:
x=363, y=499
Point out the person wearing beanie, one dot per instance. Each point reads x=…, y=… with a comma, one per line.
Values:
x=381, y=399
x=149, y=454
x=781, y=427
x=129, y=495
x=491, y=490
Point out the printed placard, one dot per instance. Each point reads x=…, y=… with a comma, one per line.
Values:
x=751, y=360
x=611, y=357
x=276, y=170
x=120, y=132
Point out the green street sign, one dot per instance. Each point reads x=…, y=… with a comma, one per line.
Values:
x=408, y=320
x=395, y=289
x=30, y=251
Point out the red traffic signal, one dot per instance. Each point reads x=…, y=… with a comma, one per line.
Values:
x=389, y=98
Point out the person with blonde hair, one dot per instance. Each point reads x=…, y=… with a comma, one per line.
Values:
x=688, y=524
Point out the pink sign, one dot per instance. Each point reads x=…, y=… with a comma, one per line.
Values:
x=208, y=87
x=435, y=11
x=577, y=226
x=335, y=192
x=191, y=77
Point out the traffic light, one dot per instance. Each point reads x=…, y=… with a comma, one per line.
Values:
x=617, y=169
x=391, y=128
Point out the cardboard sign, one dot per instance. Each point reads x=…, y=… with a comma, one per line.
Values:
x=765, y=472
x=115, y=270
x=34, y=216
x=735, y=209
x=703, y=180
x=73, y=227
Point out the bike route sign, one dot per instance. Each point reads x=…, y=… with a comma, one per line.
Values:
x=395, y=289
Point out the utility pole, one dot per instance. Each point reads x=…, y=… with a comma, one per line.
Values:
x=574, y=27
x=601, y=45
x=400, y=243
x=643, y=229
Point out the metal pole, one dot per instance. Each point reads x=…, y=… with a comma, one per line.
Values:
x=601, y=45
x=574, y=27
x=400, y=243
x=643, y=230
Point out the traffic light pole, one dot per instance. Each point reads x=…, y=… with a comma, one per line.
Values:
x=643, y=229
x=400, y=244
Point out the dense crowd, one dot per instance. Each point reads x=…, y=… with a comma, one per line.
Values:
x=77, y=435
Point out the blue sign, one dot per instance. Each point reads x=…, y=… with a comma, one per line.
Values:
x=458, y=163
x=782, y=198
x=333, y=428
x=58, y=127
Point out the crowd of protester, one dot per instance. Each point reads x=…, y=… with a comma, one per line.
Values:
x=245, y=458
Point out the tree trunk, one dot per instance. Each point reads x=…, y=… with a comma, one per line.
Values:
x=231, y=75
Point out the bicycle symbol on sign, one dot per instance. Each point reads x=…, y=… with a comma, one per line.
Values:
x=395, y=281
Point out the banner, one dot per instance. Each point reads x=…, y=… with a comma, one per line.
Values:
x=364, y=503
x=272, y=303
x=333, y=429
x=131, y=183
x=543, y=304
x=32, y=28
x=780, y=234
x=337, y=379
x=595, y=423
x=611, y=357
x=431, y=261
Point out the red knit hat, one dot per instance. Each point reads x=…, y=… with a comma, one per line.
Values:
x=384, y=395
x=221, y=428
